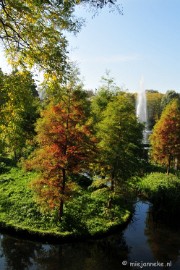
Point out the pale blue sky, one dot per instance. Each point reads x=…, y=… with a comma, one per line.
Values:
x=144, y=42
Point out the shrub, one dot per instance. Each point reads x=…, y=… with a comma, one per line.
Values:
x=163, y=191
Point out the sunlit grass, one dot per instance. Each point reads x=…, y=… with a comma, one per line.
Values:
x=86, y=214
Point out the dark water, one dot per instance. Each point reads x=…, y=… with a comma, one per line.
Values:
x=144, y=244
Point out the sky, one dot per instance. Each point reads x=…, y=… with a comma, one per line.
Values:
x=144, y=42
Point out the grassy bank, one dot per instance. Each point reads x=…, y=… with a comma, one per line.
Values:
x=163, y=191
x=86, y=214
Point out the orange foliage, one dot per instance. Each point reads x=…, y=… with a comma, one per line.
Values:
x=165, y=139
x=66, y=146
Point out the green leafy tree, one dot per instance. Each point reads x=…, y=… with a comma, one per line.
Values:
x=18, y=112
x=165, y=139
x=154, y=109
x=33, y=32
x=99, y=103
x=103, y=96
x=168, y=97
x=120, y=136
x=65, y=147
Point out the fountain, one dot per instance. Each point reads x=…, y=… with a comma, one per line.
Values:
x=141, y=111
x=141, y=108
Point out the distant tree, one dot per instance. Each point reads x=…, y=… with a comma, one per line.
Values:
x=18, y=112
x=168, y=97
x=65, y=147
x=120, y=136
x=152, y=91
x=154, y=109
x=165, y=139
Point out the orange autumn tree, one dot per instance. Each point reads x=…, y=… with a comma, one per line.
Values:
x=165, y=139
x=66, y=146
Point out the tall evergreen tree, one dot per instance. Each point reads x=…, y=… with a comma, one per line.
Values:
x=165, y=139
x=65, y=147
x=120, y=136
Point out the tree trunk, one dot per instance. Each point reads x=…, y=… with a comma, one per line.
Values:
x=61, y=205
x=176, y=163
x=15, y=157
x=61, y=208
x=169, y=164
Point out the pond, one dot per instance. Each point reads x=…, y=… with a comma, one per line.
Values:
x=144, y=244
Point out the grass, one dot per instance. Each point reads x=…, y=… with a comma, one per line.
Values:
x=163, y=191
x=86, y=214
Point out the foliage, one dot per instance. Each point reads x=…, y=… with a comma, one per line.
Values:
x=103, y=96
x=66, y=147
x=99, y=103
x=101, y=3
x=84, y=180
x=81, y=215
x=6, y=164
x=33, y=32
x=16, y=198
x=168, y=97
x=120, y=137
x=52, y=90
x=18, y=111
x=163, y=191
x=154, y=110
x=165, y=139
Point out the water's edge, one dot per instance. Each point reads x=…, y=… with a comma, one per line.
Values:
x=139, y=240
x=55, y=239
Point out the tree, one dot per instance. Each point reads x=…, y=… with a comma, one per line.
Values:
x=165, y=139
x=33, y=32
x=101, y=3
x=66, y=147
x=103, y=96
x=120, y=136
x=18, y=112
x=99, y=103
x=154, y=108
x=168, y=97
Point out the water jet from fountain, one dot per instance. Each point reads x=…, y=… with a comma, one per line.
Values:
x=141, y=111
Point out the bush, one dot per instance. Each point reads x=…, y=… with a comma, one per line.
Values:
x=163, y=191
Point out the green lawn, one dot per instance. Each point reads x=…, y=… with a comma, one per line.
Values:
x=86, y=214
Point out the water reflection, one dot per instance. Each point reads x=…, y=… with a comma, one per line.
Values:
x=95, y=255
x=143, y=241
x=17, y=254
x=135, y=237
x=163, y=239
